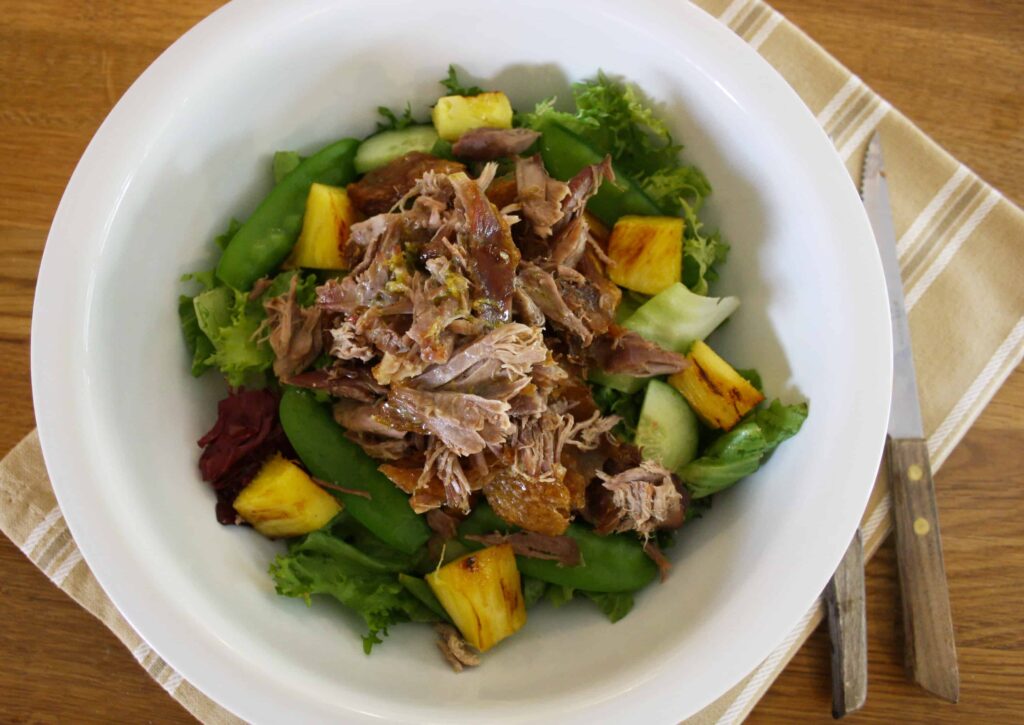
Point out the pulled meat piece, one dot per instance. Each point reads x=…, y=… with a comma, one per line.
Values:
x=382, y=449
x=503, y=192
x=372, y=418
x=530, y=491
x=540, y=196
x=496, y=365
x=525, y=309
x=455, y=649
x=246, y=433
x=381, y=189
x=626, y=352
x=643, y=499
x=536, y=503
x=341, y=382
x=488, y=144
x=396, y=367
x=562, y=549
x=438, y=299
x=584, y=185
x=442, y=481
x=655, y=554
x=543, y=290
x=588, y=434
x=493, y=256
x=348, y=344
x=402, y=476
x=463, y=422
x=592, y=303
x=341, y=489
x=568, y=246
x=376, y=278
x=295, y=334
x=442, y=523
x=605, y=295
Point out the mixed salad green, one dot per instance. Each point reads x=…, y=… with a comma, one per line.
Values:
x=467, y=364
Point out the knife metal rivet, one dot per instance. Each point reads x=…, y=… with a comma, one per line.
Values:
x=921, y=526
x=915, y=472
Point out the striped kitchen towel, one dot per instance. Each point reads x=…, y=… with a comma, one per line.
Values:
x=959, y=247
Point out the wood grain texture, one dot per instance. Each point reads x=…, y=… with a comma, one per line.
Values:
x=929, y=649
x=954, y=66
x=847, y=630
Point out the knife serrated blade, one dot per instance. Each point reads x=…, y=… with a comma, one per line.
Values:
x=930, y=649
x=905, y=413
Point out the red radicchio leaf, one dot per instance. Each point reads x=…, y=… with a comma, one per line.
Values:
x=246, y=433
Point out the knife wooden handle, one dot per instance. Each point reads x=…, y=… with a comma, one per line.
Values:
x=847, y=628
x=927, y=622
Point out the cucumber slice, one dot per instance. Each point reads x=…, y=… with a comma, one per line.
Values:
x=616, y=381
x=387, y=146
x=668, y=430
x=676, y=317
x=629, y=304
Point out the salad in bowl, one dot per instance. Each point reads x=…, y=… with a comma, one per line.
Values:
x=467, y=364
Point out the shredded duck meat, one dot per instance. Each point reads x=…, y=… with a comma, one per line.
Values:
x=624, y=351
x=460, y=339
x=457, y=651
x=655, y=554
x=562, y=549
x=488, y=144
x=382, y=188
x=295, y=334
x=643, y=499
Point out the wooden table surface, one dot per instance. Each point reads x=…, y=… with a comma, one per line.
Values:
x=956, y=67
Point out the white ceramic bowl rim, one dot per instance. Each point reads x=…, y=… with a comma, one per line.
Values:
x=74, y=255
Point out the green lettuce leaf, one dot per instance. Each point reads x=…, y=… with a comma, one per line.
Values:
x=421, y=590
x=455, y=88
x=533, y=590
x=221, y=240
x=625, y=405
x=322, y=563
x=231, y=325
x=198, y=344
x=701, y=252
x=673, y=186
x=559, y=595
x=743, y=449
x=615, y=605
x=753, y=377
x=393, y=121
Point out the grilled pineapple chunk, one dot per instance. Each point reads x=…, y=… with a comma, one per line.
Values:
x=482, y=595
x=283, y=501
x=715, y=391
x=454, y=115
x=647, y=253
x=325, y=229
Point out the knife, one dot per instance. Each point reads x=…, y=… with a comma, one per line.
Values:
x=930, y=650
x=847, y=629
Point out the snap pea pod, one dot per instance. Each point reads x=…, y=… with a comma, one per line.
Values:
x=285, y=162
x=328, y=454
x=266, y=238
x=422, y=591
x=565, y=153
x=614, y=563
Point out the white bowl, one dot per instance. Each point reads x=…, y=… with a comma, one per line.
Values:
x=190, y=145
